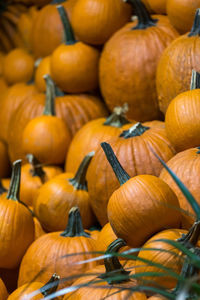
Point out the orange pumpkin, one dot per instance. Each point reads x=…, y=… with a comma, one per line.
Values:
x=60, y=194
x=18, y=66
x=39, y=231
x=92, y=134
x=3, y=291
x=79, y=74
x=142, y=205
x=54, y=252
x=37, y=289
x=157, y=297
x=133, y=150
x=42, y=69
x=95, y=22
x=123, y=78
x=16, y=224
x=176, y=64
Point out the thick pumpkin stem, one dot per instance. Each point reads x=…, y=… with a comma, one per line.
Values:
x=136, y=130
x=79, y=181
x=36, y=169
x=51, y=286
x=13, y=191
x=113, y=266
x=69, y=38
x=195, y=80
x=144, y=18
x=119, y=171
x=117, y=118
x=2, y=188
x=190, y=239
x=49, y=109
x=74, y=226
x=196, y=25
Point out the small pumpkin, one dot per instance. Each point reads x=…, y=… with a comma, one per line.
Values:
x=57, y=196
x=175, y=67
x=42, y=69
x=16, y=224
x=125, y=79
x=133, y=209
x=37, y=289
x=58, y=251
x=79, y=74
x=3, y=291
x=40, y=136
x=95, y=22
x=18, y=66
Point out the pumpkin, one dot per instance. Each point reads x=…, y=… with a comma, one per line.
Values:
x=157, y=297
x=176, y=64
x=33, y=176
x=42, y=69
x=158, y=6
x=16, y=224
x=58, y=251
x=3, y=291
x=4, y=160
x=47, y=30
x=91, y=134
x=133, y=208
x=99, y=277
x=181, y=13
x=79, y=74
x=39, y=231
x=9, y=103
x=95, y=22
x=60, y=194
x=133, y=150
x=125, y=79
x=37, y=289
x=182, y=118
x=18, y=66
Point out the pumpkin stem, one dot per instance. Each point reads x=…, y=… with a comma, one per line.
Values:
x=144, y=18
x=195, y=80
x=49, y=109
x=69, y=38
x=36, y=168
x=196, y=25
x=74, y=226
x=2, y=188
x=79, y=181
x=13, y=191
x=113, y=266
x=136, y=130
x=120, y=173
x=190, y=239
x=51, y=286
x=117, y=118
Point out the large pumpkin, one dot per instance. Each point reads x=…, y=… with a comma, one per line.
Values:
x=123, y=78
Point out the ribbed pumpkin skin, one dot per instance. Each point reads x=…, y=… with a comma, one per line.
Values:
x=182, y=120
x=181, y=13
x=42, y=69
x=95, y=21
x=158, y=6
x=48, y=251
x=9, y=103
x=23, y=292
x=175, y=69
x=186, y=166
x=3, y=291
x=141, y=207
x=48, y=30
x=4, y=160
x=136, y=158
x=166, y=259
x=118, y=67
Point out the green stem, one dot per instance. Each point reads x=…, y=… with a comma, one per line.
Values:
x=79, y=181
x=69, y=38
x=117, y=118
x=13, y=191
x=144, y=19
x=2, y=188
x=74, y=226
x=36, y=168
x=190, y=239
x=195, y=31
x=136, y=130
x=120, y=173
x=49, y=109
x=51, y=286
x=195, y=80
x=113, y=266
